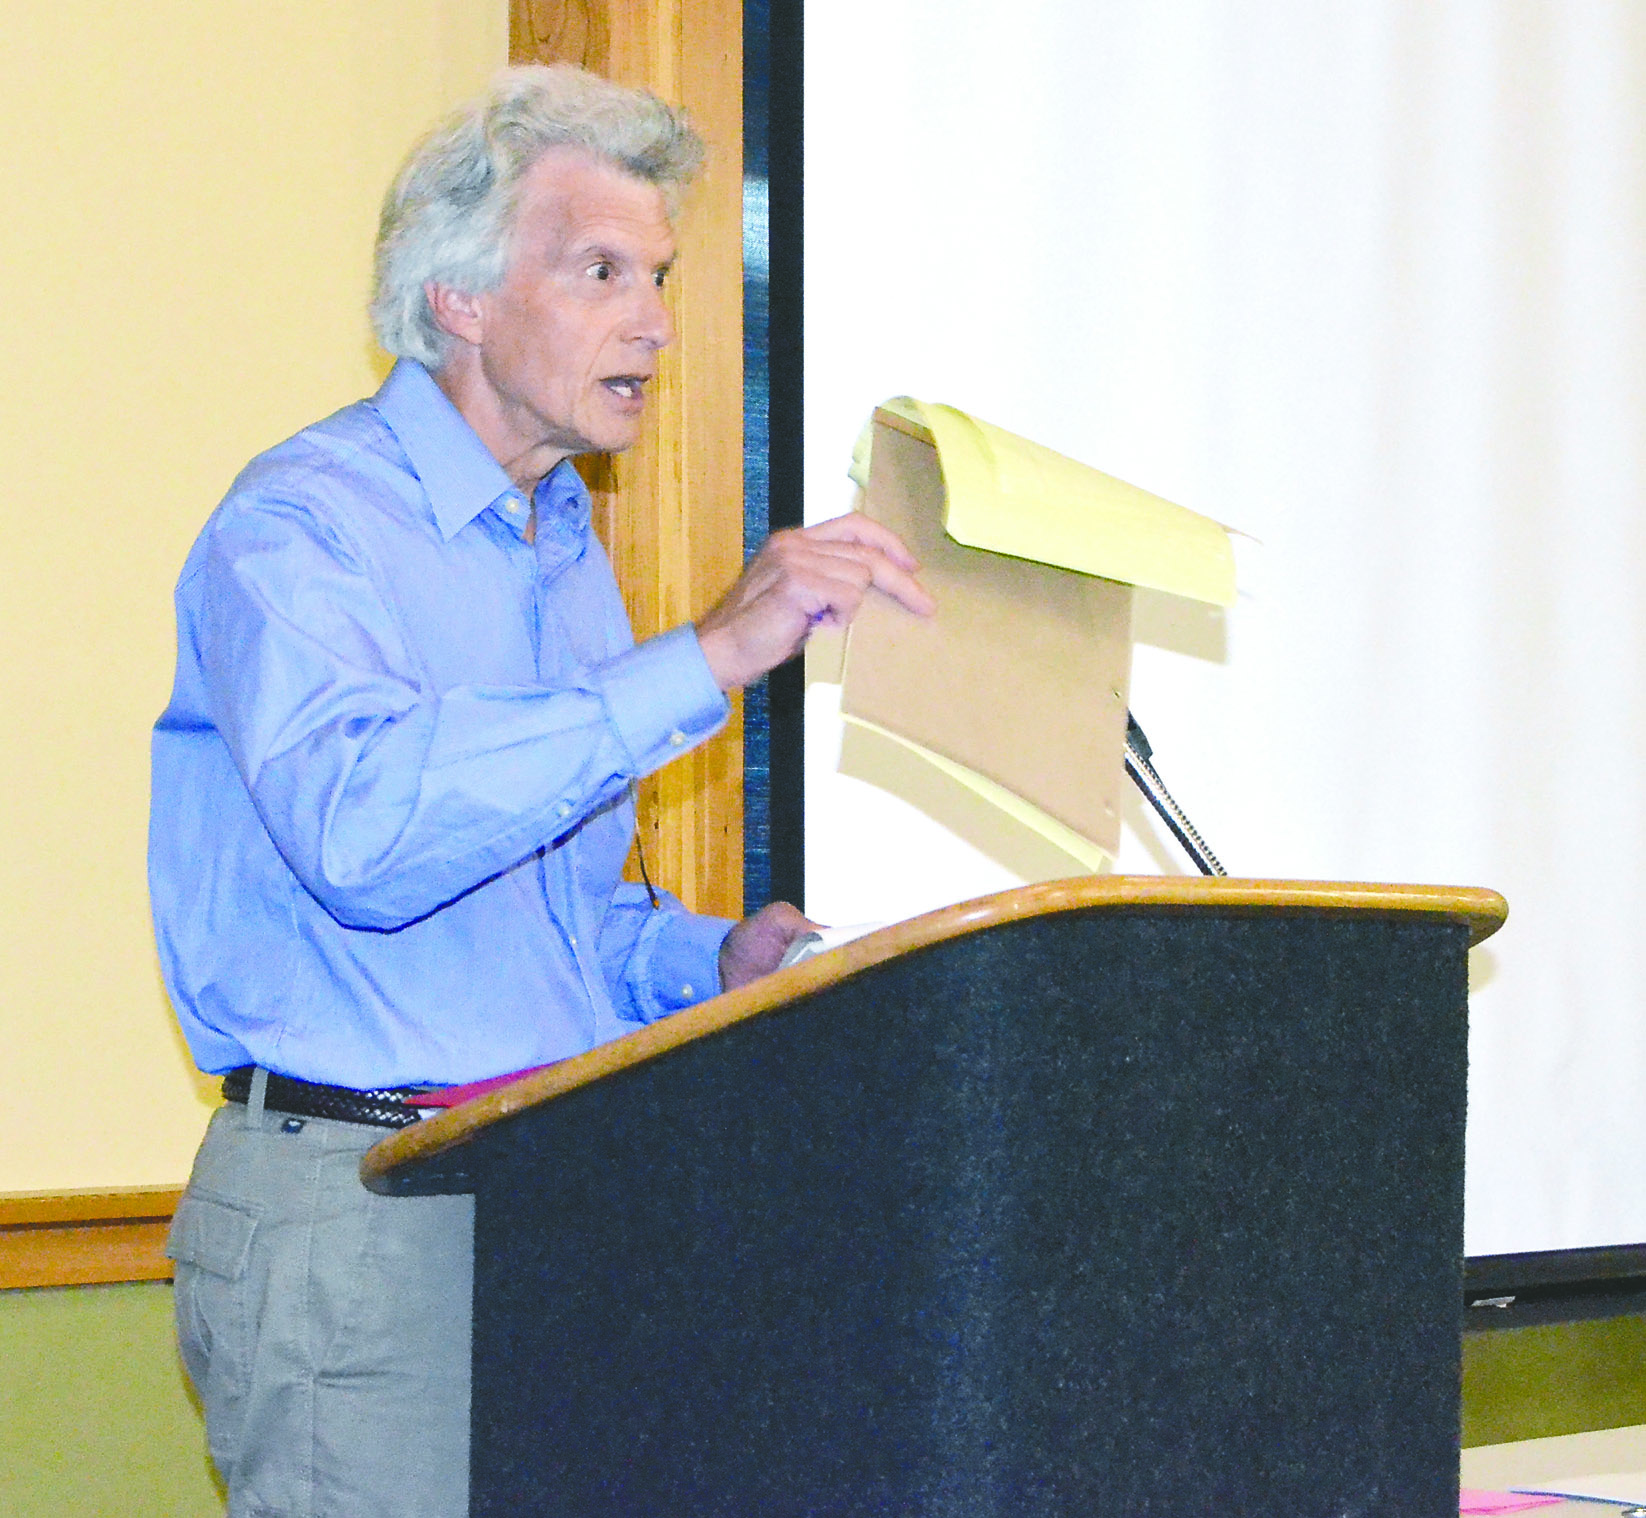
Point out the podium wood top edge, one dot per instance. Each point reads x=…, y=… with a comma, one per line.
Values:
x=1483, y=912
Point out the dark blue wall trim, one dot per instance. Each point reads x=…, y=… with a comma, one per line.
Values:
x=773, y=459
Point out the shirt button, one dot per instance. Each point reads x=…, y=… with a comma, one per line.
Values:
x=514, y=506
x=686, y=991
x=571, y=938
x=564, y=809
x=676, y=738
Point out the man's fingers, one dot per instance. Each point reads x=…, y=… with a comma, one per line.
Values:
x=884, y=576
x=903, y=588
x=854, y=527
x=756, y=946
x=801, y=579
x=848, y=557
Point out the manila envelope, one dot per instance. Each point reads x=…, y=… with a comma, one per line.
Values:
x=1021, y=676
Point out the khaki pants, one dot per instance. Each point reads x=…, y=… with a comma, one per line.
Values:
x=326, y=1329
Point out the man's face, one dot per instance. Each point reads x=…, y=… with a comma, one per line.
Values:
x=569, y=341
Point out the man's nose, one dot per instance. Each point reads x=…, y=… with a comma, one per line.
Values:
x=654, y=322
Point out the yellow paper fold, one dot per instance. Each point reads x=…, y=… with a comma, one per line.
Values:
x=1010, y=495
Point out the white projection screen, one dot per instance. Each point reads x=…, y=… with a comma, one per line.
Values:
x=1368, y=282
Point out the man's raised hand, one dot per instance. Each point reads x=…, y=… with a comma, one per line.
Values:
x=804, y=578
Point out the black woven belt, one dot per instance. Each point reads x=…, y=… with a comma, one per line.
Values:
x=382, y=1109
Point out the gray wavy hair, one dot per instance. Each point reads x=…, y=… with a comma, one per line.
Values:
x=449, y=215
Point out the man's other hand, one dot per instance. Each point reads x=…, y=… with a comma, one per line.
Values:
x=803, y=578
x=754, y=947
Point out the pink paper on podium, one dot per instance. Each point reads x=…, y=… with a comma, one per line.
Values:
x=453, y=1096
x=1472, y=1501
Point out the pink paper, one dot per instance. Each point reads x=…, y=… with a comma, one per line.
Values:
x=450, y=1096
x=1472, y=1501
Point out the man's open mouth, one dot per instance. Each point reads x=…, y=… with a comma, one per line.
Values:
x=629, y=386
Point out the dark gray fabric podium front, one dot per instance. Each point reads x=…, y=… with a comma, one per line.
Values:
x=1107, y=1197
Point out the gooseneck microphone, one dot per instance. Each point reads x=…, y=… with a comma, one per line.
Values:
x=1139, y=766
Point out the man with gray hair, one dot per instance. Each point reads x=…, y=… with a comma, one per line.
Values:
x=393, y=788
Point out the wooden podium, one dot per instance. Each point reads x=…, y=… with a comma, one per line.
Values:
x=1107, y=1196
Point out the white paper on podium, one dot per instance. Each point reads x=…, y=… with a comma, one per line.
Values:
x=1628, y=1489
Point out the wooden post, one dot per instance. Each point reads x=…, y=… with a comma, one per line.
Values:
x=671, y=509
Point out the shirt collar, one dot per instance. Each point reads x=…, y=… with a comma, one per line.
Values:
x=562, y=497
x=457, y=470
x=563, y=513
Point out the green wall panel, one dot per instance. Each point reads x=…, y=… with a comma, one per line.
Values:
x=96, y=1417
x=1557, y=1378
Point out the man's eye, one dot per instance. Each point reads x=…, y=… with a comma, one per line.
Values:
x=601, y=270
x=660, y=278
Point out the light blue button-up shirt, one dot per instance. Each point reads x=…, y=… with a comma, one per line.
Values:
x=392, y=789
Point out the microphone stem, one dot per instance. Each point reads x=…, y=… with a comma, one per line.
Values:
x=1138, y=766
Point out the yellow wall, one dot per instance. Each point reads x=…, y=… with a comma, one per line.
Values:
x=188, y=190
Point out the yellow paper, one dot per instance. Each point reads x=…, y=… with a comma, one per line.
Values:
x=1009, y=495
x=1024, y=814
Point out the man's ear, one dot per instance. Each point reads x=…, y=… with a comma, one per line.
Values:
x=456, y=312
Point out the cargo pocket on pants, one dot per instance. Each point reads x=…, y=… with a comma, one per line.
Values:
x=211, y=1242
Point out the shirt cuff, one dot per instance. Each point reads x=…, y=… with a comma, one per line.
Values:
x=676, y=963
x=661, y=698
